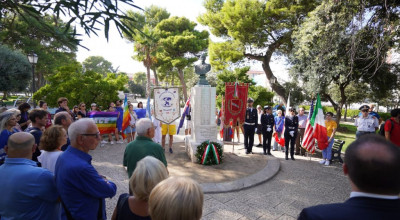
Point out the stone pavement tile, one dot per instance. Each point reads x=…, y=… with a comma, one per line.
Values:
x=212, y=205
x=222, y=215
x=244, y=209
x=287, y=217
x=288, y=209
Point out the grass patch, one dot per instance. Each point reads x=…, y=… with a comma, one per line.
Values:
x=346, y=133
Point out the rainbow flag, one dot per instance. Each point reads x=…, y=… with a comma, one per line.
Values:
x=105, y=121
x=126, y=117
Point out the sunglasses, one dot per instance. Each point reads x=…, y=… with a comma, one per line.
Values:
x=365, y=110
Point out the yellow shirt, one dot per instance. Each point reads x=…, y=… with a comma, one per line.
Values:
x=330, y=125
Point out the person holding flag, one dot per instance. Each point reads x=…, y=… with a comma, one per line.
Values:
x=331, y=127
x=130, y=129
x=290, y=134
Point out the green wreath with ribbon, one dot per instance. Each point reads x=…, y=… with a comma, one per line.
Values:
x=209, y=153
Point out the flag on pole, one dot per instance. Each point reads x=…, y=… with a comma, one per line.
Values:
x=126, y=117
x=148, y=107
x=183, y=116
x=281, y=140
x=318, y=123
x=309, y=140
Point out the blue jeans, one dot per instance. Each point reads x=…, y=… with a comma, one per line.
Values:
x=327, y=152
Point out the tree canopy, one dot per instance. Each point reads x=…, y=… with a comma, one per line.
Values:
x=79, y=86
x=99, y=65
x=253, y=29
x=15, y=71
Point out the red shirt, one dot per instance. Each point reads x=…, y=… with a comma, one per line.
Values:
x=395, y=134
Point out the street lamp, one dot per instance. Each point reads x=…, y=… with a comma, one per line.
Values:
x=33, y=58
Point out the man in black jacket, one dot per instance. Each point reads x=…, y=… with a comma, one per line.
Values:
x=250, y=124
x=373, y=166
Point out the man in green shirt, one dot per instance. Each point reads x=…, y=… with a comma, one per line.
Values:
x=142, y=146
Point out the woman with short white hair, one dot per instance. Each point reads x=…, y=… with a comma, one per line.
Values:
x=176, y=198
x=148, y=173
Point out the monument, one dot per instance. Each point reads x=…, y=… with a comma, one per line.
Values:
x=203, y=112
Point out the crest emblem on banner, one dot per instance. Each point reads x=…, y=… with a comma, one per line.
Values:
x=236, y=106
x=166, y=104
x=235, y=99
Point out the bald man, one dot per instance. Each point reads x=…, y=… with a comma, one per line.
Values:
x=27, y=191
x=81, y=188
x=64, y=119
x=372, y=165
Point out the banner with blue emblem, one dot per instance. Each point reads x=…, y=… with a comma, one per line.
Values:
x=166, y=104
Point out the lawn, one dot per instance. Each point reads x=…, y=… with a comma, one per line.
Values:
x=346, y=133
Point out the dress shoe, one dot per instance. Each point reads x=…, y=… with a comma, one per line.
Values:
x=293, y=158
x=247, y=152
x=287, y=158
x=297, y=154
x=269, y=153
x=265, y=153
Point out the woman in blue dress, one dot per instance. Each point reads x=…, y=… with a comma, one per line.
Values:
x=7, y=123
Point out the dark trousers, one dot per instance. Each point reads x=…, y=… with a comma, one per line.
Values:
x=267, y=137
x=249, y=131
x=291, y=140
x=300, y=136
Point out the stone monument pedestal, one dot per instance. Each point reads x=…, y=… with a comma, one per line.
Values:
x=203, y=118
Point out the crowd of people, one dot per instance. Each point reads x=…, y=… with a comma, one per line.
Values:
x=51, y=154
x=286, y=132
x=54, y=159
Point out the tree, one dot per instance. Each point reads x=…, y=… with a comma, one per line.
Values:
x=78, y=86
x=146, y=46
x=253, y=29
x=15, y=71
x=99, y=65
x=139, y=78
x=338, y=45
x=89, y=14
x=137, y=88
x=180, y=42
x=296, y=92
x=25, y=34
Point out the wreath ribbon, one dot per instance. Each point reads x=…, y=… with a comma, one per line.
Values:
x=213, y=148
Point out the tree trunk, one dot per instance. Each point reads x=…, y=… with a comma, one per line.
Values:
x=276, y=87
x=148, y=91
x=4, y=95
x=345, y=112
x=180, y=71
x=155, y=76
x=172, y=79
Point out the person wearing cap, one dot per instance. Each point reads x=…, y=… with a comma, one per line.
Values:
x=366, y=123
x=250, y=124
x=267, y=123
x=291, y=126
x=373, y=113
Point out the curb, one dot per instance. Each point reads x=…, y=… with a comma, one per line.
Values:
x=269, y=171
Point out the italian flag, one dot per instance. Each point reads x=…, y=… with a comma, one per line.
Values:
x=318, y=123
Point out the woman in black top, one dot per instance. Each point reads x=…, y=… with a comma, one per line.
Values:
x=82, y=111
x=24, y=121
x=148, y=173
x=291, y=126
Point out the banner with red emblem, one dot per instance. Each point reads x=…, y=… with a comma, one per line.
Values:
x=235, y=103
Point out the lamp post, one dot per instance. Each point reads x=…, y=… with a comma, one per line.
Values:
x=33, y=58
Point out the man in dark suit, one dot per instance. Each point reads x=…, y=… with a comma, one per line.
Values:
x=373, y=166
x=250, y=124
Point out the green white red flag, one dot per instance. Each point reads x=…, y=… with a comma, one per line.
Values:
x=318, y=123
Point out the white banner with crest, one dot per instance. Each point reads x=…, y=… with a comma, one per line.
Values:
x=166, y=104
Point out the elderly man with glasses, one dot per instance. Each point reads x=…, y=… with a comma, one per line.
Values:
x=82, y=189
x=366, y=123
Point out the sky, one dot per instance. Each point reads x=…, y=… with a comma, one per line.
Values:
x=119, y=51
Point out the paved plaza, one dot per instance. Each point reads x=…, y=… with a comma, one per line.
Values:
x=281, y=194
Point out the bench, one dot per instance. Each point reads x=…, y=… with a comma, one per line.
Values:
x=337, y=150
x=3, y=104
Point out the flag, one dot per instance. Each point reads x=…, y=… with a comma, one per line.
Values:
x=318, y=123
x=281, y=140
x=106, y=121
x=148, y=107
x=126, y=117
x=183, y=116
x=309, y=140
x=221, y=113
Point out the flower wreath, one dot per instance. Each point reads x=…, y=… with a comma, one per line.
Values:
x=209, y=153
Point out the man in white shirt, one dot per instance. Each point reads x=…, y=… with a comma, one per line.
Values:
x=372, y=165
x=366, y=123
x=300, y=135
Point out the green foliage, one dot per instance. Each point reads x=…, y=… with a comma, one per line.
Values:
x=261, y=96
x=139, y=78
x=78, y=86
x=99, y=65
x=15, y=70
x=137, y=88
x=238, y=74
x=296, y=92
x=210, y=159
x=22, y=32
x=89, y=14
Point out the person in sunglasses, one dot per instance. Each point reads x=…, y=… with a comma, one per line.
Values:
x=366, y=123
